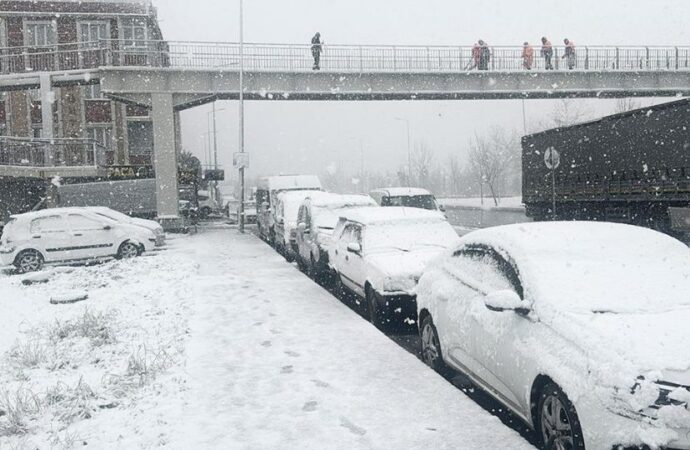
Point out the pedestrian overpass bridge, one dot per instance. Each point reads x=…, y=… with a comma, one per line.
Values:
x=168, y=77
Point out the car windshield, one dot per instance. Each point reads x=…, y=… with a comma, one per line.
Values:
x=411, y=201
x=114, y=215
x=410, y=236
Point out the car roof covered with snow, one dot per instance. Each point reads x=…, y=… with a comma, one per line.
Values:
x=290, y=182
x=51, y=212
x=392, y=215
x=594, y=266
x=402, y=191
x=329, y=200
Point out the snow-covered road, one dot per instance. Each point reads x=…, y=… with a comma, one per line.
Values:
x=261, y=358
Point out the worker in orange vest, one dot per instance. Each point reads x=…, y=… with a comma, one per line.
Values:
x=527, y=56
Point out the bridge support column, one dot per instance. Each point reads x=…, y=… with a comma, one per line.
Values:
x=165, y=162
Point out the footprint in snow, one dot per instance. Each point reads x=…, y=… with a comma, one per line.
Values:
x=310, y=406
x=286, y=369
x=352, y=427
x=266, y=343
x=321, y=384
x=258, y=324
x=293, y=354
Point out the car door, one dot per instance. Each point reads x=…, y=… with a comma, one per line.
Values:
x=352, y=266
x=93, y=238
x=51, y=236
x=459, y=301
x=497, y=335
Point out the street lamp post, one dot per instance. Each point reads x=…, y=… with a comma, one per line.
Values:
x=409, y=150
x=241, y=131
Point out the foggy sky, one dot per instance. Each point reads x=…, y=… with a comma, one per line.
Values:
x=306, y=137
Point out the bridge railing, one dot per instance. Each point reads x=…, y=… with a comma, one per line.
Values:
x=28, y=152
x=338, y=58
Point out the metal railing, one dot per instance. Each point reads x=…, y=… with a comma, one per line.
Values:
x=25, y=152
x=334, y=58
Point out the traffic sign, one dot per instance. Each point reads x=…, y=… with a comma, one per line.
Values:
x=240, y=160
x=552, y=158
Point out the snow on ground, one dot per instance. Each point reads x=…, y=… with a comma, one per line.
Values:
x=506, y=202
x=216, y=343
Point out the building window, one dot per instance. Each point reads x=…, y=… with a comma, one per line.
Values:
x=39, y=34
x=92, y=92
x=102, y=135
x=134, y=33
x=140, y=137
x=92, y=33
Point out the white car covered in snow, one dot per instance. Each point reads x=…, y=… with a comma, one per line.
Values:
x=316, y=220
x=286, y=211
x=67, y=235
x=581, y=329
x=117, y=216
x=380, y=254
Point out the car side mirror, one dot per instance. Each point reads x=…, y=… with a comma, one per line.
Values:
x=507, y=300
x=354, y=248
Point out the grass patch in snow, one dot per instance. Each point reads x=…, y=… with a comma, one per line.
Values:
x=71, y=404
x=99, y=328
x=16, y=409
x=29, y=354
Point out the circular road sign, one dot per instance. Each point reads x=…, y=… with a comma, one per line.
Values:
x=552, y=158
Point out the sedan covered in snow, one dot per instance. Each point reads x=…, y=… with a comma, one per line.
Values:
x=581, y=329
x=67, y=235
x=117, y=216
x=380, y=254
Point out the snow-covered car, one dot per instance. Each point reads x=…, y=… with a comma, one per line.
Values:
x=286, y=211
x=250, y=212
x=316, y=220
x=581, y=329
x=117, y=216
x=207, y=206
x=380, y=254
x=406, y=196
x=67, y=235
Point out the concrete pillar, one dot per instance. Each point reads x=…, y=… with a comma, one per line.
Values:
x=47, y=100
x=165, y=161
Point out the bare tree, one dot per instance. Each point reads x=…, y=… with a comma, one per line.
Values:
x=455, y=174
x=490, y=159
x=422, y=161
x=624, y=105
x=570, y=112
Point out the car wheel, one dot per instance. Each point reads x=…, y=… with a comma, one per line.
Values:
x=128, y=250
x=558, y=424
x=431, y=347
x=29, y=261
x=373, y=309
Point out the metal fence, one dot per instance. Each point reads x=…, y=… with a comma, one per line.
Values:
x=51, y=153
x=334, y=58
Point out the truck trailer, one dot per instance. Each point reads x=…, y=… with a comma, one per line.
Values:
x=632, y=168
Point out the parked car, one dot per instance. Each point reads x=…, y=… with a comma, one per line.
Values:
x=117, y=216
x=316, y=220
x=379, y=255
x=207, y=206
x=404, y=196
x=267, y=194
x=286, y=212
x=581, y=329
x=250, y=213
x=67, y=235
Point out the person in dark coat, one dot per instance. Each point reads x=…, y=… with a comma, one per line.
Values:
x=316, y=49
x=569, y=54
x=547, y=53
x=484, y=55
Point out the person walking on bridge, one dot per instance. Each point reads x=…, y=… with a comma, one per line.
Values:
x=316, y=49
x=547, y=53
x=476, y=54
x=527, y=56
x=569, y=54
x=484, y=55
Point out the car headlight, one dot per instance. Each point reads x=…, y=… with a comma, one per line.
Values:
x=400, y=284
x=646, y=398
x=158, y=231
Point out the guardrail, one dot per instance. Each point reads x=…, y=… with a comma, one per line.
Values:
x=23, y=152
x=334, y=58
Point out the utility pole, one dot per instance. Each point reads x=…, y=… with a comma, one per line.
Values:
x=215, y=139
x=241, y=115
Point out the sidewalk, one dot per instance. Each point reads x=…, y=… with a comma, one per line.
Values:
x=275, y=362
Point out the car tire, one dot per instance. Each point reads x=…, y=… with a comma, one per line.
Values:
x=430, y=347
x=374, y=312
x=29, y=261
x=128, y=250
x=558, y=425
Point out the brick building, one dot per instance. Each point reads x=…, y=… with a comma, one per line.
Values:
x=33, y=33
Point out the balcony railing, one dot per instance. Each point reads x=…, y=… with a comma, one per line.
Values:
x=334, y=58
x=23, y=152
